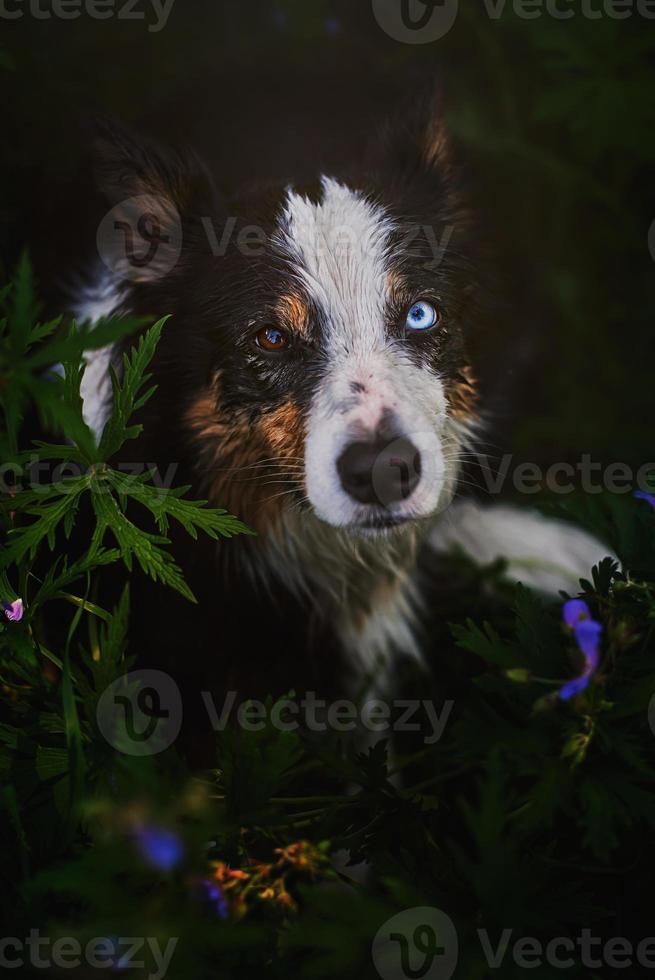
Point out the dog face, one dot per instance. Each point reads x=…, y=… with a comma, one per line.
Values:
x=379, y=449
x=318, y=362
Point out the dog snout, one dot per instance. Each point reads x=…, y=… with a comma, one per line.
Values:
x=383, y=470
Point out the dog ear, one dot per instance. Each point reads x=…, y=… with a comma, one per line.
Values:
x=157, y=196
x=127, y=165
x=415, y=151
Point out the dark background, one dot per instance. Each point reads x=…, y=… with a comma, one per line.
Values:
x=556, y=122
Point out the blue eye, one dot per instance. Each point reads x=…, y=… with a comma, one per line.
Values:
x=422, y=316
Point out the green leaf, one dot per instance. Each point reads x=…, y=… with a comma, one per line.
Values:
x=193, y=515
x=55, y=505
x=52, y=762
x=61, y=575
x=24, y=308
x=77, y=339
x=76, y=760
x=484, y=642
x=129, y=395
x=133, y=542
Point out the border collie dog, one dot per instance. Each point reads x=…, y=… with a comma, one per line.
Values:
x=314, y=380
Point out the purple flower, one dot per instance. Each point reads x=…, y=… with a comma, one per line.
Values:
x=13, y=610
x=648, y=497
x=575, y=611
x=162, y=849
x=587, y=634
x=574, y=687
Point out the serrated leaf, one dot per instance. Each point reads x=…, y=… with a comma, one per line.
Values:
x=128, y=392
x=485, y=643
x=193, y=515
x=133, y=542
x=25, y=541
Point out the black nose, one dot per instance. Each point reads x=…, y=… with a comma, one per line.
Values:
x=383, y=471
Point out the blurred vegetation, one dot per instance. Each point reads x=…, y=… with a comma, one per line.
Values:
x=529, y=813
x=532, y=812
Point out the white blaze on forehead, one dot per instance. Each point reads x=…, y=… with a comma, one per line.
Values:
x=340, y=248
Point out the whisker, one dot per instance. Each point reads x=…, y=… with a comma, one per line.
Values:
x=276, y=496
x=284, y=478
x=274, y=461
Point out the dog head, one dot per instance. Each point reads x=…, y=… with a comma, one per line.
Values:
x=316, y=355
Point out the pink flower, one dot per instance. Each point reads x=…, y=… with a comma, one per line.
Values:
x=13, y=610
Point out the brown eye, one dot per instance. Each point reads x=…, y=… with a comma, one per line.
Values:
x=272, y=339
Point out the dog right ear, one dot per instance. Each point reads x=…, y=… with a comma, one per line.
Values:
x=157, y=197
x=127, y=165
x=414, y=154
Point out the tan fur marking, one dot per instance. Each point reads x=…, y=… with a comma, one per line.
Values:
x=398, y=290
x=436, y=146
x=293, y=314
x=231, y=455
x=284, y=431
x=463, y=395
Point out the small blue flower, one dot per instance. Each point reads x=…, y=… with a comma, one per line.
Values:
x=162, y=849
x=587, y=634
x=575, y=611
x=574, y=687
x=333, y=26
x=212, y=894
x=648, y=497
x=13, y=610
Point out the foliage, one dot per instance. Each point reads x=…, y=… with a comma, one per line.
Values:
x=529, y=813
x=42, y=365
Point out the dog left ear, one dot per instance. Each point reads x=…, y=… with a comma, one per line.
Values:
x=157, y=195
